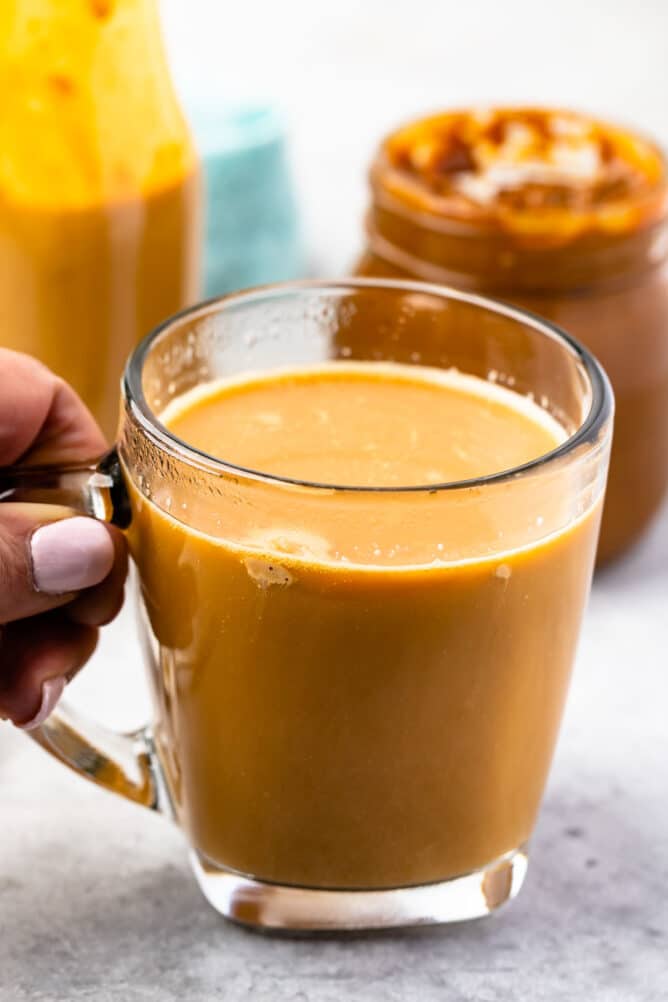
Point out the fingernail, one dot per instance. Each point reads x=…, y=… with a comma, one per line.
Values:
x=52, y=690
x=69, y=555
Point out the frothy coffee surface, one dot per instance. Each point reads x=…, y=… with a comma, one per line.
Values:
x=365, y=424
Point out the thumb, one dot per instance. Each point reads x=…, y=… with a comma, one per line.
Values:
x=46, y=557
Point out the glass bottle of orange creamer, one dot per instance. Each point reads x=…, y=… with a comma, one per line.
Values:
x=99, y=192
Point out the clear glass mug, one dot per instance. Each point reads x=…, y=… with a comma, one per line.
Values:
x=347, y=742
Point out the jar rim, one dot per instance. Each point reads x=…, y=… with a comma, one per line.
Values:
x=406, y=195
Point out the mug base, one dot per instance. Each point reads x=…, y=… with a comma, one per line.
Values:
x=264, y=905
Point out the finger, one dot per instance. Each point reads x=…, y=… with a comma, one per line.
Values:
x=101, y=604
x=43, y=565
x=37, y=657
x=42, y=420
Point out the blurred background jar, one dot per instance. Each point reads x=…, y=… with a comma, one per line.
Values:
x=251, y=233
x=99, y=188
x=561, y=214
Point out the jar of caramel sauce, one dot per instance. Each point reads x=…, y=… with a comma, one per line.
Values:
x=566, y=216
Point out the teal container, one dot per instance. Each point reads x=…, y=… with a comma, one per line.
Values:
x=251, y=233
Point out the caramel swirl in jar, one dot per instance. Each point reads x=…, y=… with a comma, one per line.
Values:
x=545, y=173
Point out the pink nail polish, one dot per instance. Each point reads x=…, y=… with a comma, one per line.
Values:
x=71, y=554
x=52, y=690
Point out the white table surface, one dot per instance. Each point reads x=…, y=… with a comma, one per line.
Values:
x=96, y=898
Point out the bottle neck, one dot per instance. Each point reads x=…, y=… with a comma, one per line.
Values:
x=438, y=249
x=27, y=26
x=89, y=110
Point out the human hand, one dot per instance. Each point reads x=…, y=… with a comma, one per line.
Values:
x=61, y=575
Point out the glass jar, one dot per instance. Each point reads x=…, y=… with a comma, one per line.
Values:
x=560, y=214
x=99, y=188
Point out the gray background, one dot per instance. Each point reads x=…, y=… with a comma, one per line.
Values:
x=96, y=899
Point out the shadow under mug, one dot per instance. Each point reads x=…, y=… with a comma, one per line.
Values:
x=346, y=742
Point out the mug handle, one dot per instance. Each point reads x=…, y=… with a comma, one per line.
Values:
x=123, y=763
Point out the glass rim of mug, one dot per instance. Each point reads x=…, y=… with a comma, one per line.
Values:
x=600, y=409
